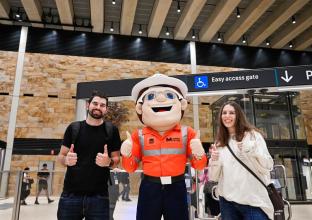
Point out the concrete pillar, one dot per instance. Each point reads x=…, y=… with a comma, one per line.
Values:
x=13, y=113
x=81, y=112
x=195, y=98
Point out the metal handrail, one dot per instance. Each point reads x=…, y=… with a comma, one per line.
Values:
x=286, y=190
x=214, y=193
x=17, y=196
x=201, y=215
x=289, y=209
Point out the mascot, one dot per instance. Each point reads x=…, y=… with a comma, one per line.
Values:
x=163, y=147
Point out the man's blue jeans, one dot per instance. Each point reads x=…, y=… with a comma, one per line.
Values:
x=235, y=211
x=77, y=207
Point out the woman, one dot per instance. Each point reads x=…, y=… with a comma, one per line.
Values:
x=242, y=196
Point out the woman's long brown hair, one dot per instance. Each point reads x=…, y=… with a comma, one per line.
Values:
x=241, y=125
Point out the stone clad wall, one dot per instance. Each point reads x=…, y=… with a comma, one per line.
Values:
x=43, y=117
x=8, y=62
x=306, y=111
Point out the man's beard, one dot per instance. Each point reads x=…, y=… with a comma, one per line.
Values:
x=94, y=115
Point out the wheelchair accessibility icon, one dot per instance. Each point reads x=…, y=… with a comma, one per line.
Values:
x=201, y=82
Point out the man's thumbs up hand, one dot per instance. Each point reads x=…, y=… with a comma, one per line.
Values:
x=71, y=157
x=105, y=150
x=126, y=146
x=196, y=146
x=102, y=159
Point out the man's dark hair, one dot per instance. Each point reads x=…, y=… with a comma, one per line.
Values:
x=26, y=168
x=98, y=94
x=44, y=165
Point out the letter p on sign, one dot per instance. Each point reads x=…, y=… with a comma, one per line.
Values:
x=309, y=74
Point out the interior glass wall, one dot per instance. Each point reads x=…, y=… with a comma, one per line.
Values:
x=272, y=115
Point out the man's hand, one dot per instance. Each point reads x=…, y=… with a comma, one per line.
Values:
x=197, y=147
x=71, y=157
x=103, y=160
x=126, y=146
x=214, y=153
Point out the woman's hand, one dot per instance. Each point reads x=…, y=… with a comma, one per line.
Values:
x=240, y=145
x=214, y=152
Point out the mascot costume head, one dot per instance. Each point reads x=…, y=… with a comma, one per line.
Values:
x=160, y=101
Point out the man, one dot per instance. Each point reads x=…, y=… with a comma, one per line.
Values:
x=26, y=186
x=124, y=180
x=113, y=192
x=163, y=146
x=88, y=155
x=43, y=177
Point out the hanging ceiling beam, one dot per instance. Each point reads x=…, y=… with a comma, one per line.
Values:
x=303, y=22
x=304, y=40
x=66, y=12
x=4, y=9
x=188, y=17
x=97, y=15
x=158, y=16
x=274, y=21
x=250, y=15
x=33, y=10
x=219, y=15
x=127, y=16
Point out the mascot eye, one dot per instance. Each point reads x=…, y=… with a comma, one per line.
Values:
x=150, y=96
x=170, y=95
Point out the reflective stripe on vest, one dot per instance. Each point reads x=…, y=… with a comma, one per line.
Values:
x=164, y=151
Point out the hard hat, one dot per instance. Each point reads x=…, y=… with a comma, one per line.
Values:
x=158, y=79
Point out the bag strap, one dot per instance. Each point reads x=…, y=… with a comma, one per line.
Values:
x=109, y=129
x=246, y=167
x=75, y=131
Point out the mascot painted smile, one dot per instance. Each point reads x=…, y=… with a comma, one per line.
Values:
x=163, y=146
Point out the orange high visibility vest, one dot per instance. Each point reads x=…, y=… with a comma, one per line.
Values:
x=162, y=155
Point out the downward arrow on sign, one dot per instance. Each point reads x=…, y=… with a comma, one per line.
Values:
x=286, y=78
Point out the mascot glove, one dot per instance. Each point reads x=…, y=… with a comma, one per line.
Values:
x=126, y=146
x=197, y=148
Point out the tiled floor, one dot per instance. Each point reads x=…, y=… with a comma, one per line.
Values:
x=124, y=210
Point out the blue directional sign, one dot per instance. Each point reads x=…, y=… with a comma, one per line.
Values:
x=232, y=80
x=201, y=82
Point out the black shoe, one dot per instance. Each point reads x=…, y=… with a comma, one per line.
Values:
x=50, y=200
x=23, y=203
x=128, y=200
x=36, y=202
x=196, y=215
